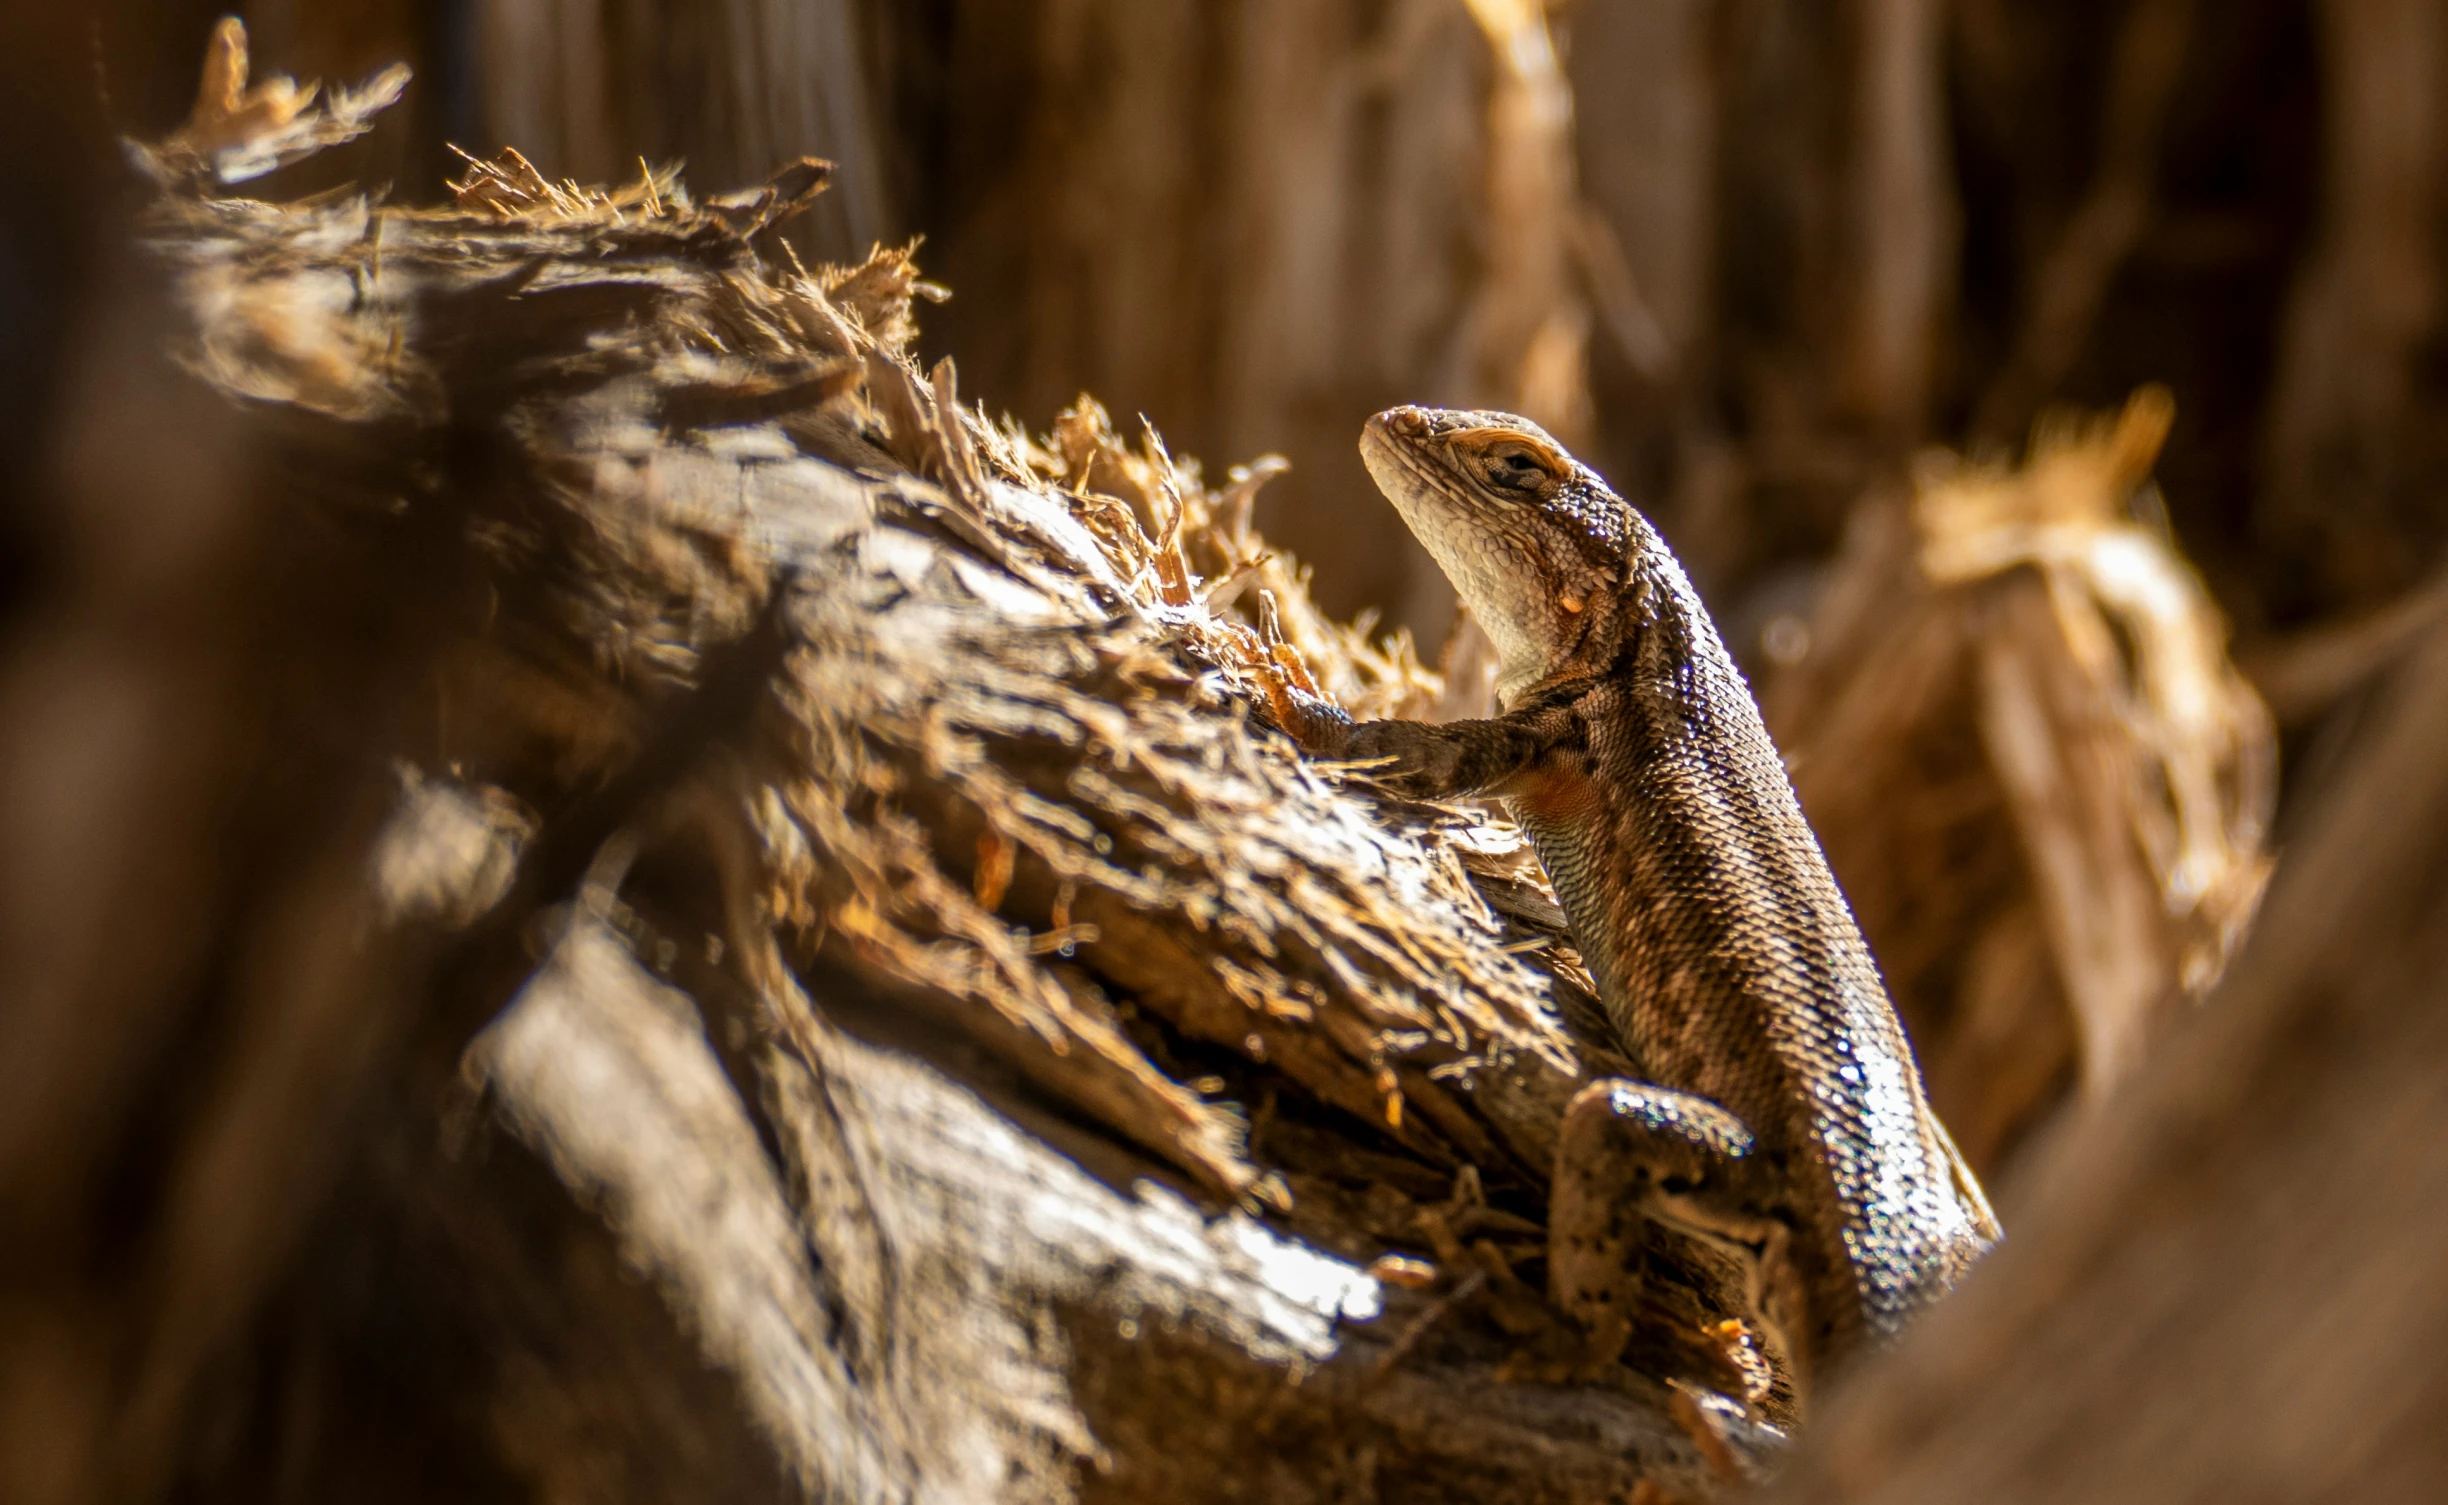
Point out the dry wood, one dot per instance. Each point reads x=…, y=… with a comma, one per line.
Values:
x=2351, y=467
x=823, y=827
x=1259, y=223
x=731, y=87
x=2073, y=278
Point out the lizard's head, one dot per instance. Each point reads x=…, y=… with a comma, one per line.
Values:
x=1533, y=541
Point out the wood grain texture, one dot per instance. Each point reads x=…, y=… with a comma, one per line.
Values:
x=714, y=925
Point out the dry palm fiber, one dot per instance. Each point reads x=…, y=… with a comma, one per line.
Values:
x=1060, y=604
x=823, y=826
x=2041, y=782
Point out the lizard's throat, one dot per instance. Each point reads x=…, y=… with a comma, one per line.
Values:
x=1506, y=576
x=1534, y=640
x=1499, y=581
x=1517, y=671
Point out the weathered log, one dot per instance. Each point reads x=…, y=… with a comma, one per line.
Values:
x=715, y=808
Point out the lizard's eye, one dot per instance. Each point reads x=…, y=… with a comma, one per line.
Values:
x=1515, y=469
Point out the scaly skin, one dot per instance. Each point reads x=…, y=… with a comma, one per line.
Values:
x=1782, y=1134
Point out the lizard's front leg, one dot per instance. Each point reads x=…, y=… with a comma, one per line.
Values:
x=1422, y=759
x=1637, y=1166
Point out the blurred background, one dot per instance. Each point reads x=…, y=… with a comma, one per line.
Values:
x=1749, y=254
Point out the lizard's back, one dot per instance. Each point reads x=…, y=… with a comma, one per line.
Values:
x=1729, y=959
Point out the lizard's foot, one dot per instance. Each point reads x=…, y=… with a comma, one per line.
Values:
x=1319, y=726
x=1647, y=1181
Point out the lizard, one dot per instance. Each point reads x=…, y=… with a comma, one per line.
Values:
x=1781, y=1131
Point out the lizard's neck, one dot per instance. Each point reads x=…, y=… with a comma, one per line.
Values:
x=1588, y=644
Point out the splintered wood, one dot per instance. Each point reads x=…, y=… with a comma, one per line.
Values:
x=868, y=892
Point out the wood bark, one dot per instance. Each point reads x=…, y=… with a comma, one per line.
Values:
x=1258, y=225
x=2046, y=792
x=714, y=924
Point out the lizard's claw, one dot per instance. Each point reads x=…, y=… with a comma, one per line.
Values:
x=1319, y=726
